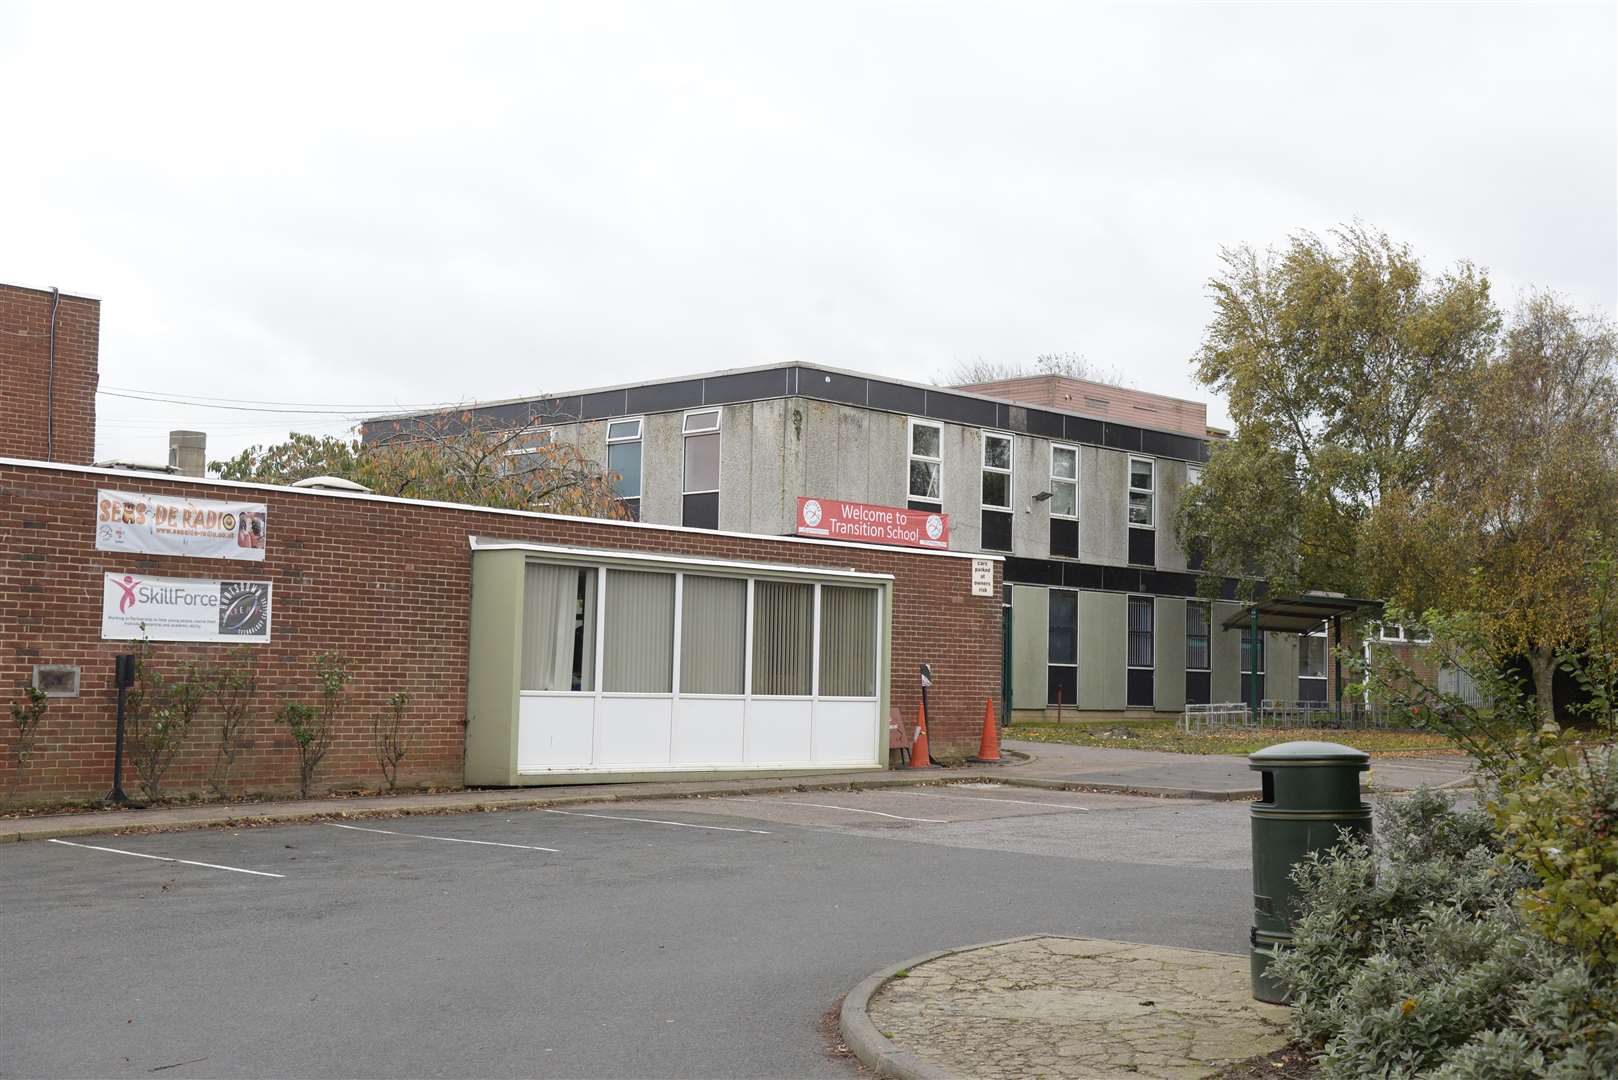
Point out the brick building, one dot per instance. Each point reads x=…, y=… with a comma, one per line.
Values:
x=48, y=373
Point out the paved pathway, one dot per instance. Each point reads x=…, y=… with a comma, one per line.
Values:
x=1071, y=1007
x=1050, y=765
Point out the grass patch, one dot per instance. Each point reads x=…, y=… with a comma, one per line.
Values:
x=1166, y=735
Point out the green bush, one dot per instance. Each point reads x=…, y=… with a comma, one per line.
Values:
x=1416, y=960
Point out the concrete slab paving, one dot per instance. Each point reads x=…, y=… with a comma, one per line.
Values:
x=1062, y=1007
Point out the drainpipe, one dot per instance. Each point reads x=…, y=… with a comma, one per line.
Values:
x=50, y=383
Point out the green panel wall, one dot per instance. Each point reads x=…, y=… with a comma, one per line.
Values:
x=1030, y=645
x=493, y=670
x=1169, y=651
x=1227, y=655
x=1103, y=637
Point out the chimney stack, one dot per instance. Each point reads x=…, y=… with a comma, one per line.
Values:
x=188, y=452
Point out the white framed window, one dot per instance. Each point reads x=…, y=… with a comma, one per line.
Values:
x=700, y=420
x=1142, y=485
x=926, y=446
x=996, y=471
x=1064, y=481
x=1396, y=632
x=624, y=459
x=1312, y=655
x=1193, y=475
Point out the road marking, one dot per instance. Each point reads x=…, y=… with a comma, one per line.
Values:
x=451, y=839
x=980, y=798
x=654, y=821
x=165, y=858
x=849, y=809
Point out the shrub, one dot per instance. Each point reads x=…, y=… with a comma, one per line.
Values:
x=26, y=717
x=234, y=688
x=311, y=734
x=391, y=737
x=158, y=716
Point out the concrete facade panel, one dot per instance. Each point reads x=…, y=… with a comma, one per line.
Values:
x=736, y=468
x=773, y=504
x=1170, y=490
x=1031, y=474
x=663, y=469
x=1103, y=486
x=963, y=485
x=1030, y=646
x=1103, y=626
x=1169, y=649
x=888, y=460
x=820, y=434
x=853, y=454
x=1227, y=655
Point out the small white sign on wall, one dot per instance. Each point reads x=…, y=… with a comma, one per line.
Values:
x=982, y=577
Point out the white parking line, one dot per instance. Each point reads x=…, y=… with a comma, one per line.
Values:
x=980, y=798
x=451, y=839
x=847, y=809
x=654, y=821
x=165, y=858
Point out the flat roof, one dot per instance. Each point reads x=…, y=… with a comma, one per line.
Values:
x=740, y=385
x=1299, y=614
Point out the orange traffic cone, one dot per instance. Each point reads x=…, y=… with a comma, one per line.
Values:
x=989, y=744
x=919, y=758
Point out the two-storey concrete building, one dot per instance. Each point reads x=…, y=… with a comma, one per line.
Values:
x=1075, y=484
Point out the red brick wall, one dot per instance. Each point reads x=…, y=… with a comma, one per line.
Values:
x=25, y=343
x=387, y=584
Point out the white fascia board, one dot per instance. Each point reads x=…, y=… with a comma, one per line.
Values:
x=479, y=543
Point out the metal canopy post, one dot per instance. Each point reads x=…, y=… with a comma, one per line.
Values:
x=1252, y=664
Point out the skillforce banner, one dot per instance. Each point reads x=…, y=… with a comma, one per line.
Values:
x=863, y=522
x=164, y=525
x=136, y=606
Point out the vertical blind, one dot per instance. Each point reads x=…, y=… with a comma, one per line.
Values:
x=783, y=622
x=558, y=628
x=847, y=642
x=639, y=633
x=713, y=631
x=1140, y=631
x=1196, y=637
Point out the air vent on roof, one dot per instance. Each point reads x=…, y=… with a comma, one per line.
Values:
x=330, y=483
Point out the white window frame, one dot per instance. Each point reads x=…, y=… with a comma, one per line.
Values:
x=1325, y=656
x=983, y=458
x=1193, y=473
x=686, y=432
x=1150, y=492
x=911, y=455
x=638, y=421
x=1074, y=480
x=543, y=436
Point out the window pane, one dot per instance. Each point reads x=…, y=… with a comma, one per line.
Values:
x=1065, y=463
x=847, y=642
x=1196, y=637
x=1247, y=650
x=1140, y=632
x=702, y=421
x=1312, y=657
x=623, y=429
x=558, y=628
x=996, y=452
x=1064, y=626
x=924, y=479
x=624, y=459
x=713, y=633
x=783, y=622
x=1140, y=508
x=1193, y=475
x=639, y=633
x=1064, y=498
x=924, y=441
x=702, y=462
x=1140, y=474
x=996, y=489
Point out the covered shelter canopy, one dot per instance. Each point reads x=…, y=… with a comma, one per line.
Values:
x=1299, y=614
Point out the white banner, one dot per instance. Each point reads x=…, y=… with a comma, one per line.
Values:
x=184, y=609
x=169, y=525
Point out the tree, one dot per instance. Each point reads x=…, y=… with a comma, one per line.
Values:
x=1518, y=498
x=449, y=457
x=1333, y=354
x=1069, y=365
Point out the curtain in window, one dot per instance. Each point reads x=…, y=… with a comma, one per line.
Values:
x=639, y=633
x=847, y=642
x=1140, y=632
x=713, y=629
x=558, y=633
x=783, y=622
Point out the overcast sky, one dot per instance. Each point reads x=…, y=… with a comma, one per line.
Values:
x=385, y=206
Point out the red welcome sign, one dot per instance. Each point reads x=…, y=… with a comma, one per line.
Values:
x=835, y=519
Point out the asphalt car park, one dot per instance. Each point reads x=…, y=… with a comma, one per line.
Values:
x=699, y=937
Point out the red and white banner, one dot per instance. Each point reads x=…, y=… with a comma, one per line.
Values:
x=868, y=524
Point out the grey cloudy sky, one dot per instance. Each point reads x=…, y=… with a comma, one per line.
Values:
x=385, y=205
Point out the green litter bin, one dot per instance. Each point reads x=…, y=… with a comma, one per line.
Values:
x=1311, y=792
